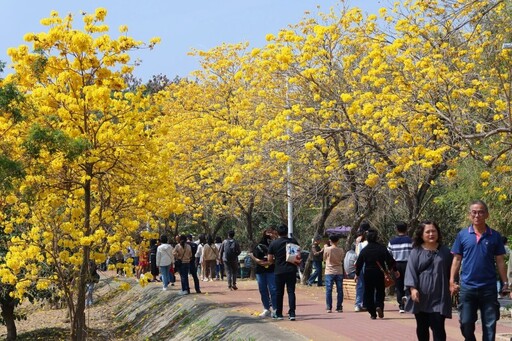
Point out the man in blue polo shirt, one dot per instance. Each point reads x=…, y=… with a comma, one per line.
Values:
x=479, y=249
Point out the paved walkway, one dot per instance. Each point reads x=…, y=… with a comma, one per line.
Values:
x=315, y=324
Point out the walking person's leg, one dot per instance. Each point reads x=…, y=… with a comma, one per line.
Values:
x=261, y=279
x=234, y=264
x=314, y=275
x=437, y=325
x=193, y=272
x=280, y=284
x=320, y=270
x=359, y=303
x=291, y=280
x=164, y=273
x=271, y=282
x=489, y=312
x=328, y=292
x=339, y=290
x=369, y=294
x=422, y=325
x=399, y=285
x=468, y=307
x=184, y=268
x=229, y=274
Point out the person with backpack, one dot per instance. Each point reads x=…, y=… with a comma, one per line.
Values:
x=265, y=274
x=229, y=251
x=192, y=265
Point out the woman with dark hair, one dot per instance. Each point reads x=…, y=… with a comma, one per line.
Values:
x=372, y=258
x=219, y=267
x=265, y=273
x=428, y=278
x=183, y=254
x=209, y=257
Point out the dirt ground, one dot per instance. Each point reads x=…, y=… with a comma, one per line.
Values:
x=46, y=323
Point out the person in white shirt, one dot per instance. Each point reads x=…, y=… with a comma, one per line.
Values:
x=164, y=260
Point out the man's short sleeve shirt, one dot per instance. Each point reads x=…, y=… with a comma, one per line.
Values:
x=277, y=248
x=478, y=268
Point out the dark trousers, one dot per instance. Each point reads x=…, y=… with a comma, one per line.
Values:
x=184, y=268
x=287, y=279
x=373, y=290
x=399, y=283
x=317, y=273
x=193, y=272
x=434, y=321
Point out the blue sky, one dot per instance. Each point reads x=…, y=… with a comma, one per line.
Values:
x=182, y=25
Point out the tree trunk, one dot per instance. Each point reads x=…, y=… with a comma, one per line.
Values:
x=9, y=320
x=78, y=326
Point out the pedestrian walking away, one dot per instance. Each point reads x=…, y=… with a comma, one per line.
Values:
x=333, y=257
x=400, y=248
x=372, y=258
x=285, y=272
x=229, y=251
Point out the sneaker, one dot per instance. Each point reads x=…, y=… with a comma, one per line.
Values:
x=373, y=317
x=265, y=313
x=291, y=317
x=357, y=308
x=328, y=311
x=380, y=312
x=183, y=292
x=205, y=279
x=172, y=284
x=198, y=292
x=401, y=311
x=340, y=310
x=275, y=317
x=235, y=287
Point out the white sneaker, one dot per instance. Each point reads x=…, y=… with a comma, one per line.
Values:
x=401, y=311
x=265, y=313
x=357, y=308
x=164, y=289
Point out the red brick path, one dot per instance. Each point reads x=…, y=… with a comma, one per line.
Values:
x=314, y=323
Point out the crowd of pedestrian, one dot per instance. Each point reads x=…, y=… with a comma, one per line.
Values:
x=427, y=274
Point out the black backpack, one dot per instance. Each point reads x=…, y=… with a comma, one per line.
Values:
x=231, y=250
x=193, y=246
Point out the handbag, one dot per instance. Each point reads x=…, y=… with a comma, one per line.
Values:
x=388, y=279
x=293, y=253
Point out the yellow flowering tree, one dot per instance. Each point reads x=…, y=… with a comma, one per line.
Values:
x=86, y=142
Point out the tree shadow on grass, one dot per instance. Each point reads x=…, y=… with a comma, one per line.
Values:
x=47, y=334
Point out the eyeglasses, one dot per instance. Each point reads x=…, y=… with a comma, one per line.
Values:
x=477, y=213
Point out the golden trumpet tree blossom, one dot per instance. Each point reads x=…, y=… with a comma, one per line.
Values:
x=86, y=143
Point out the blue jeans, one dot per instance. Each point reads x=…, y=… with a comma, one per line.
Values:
x=184, y=269
x=329, y=282
x=360, y=290
x=317, y=272
x=485, y=299
x=219, y=271
x=267, y=287
x=165, y=273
